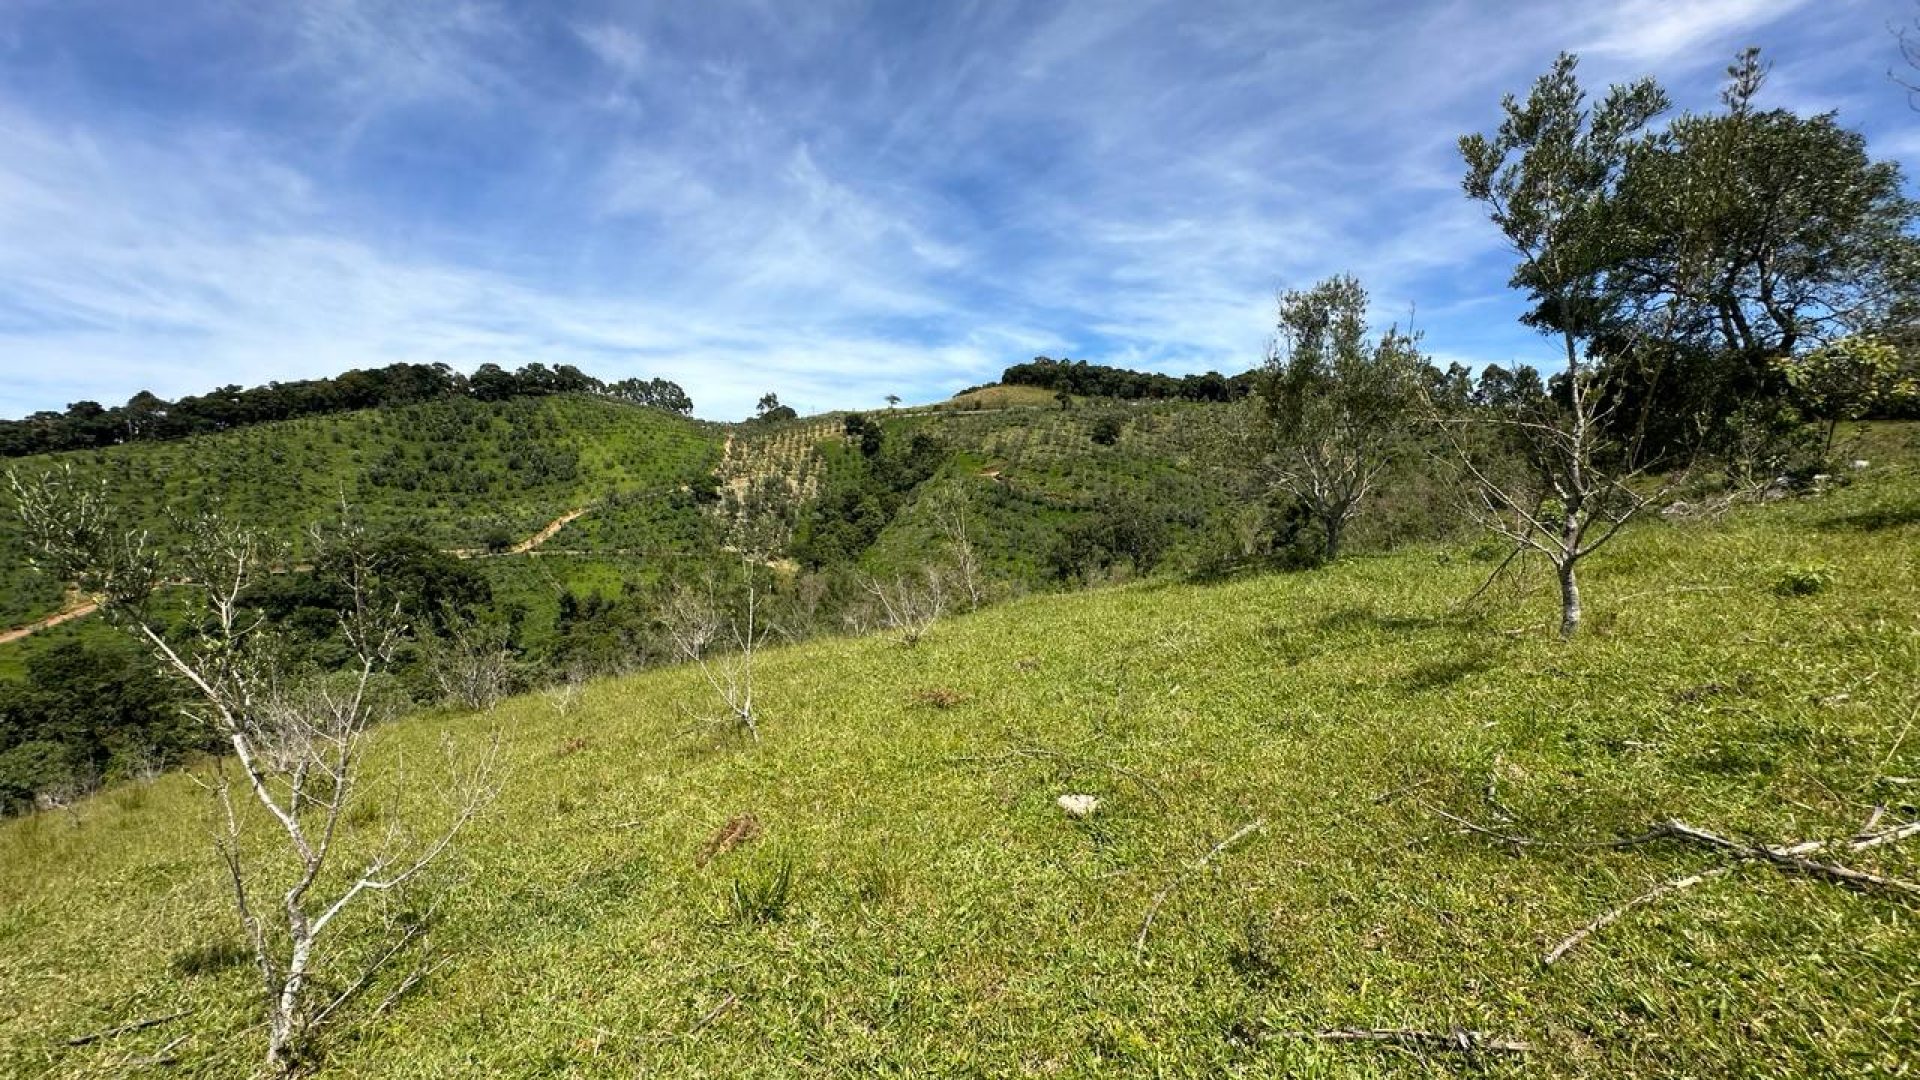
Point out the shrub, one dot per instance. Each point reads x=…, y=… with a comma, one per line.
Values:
x=1803, y=581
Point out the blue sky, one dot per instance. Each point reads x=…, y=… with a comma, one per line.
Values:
x=832, y=201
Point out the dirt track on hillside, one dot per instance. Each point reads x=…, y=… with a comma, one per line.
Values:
x=77, y=608
x=65, y=614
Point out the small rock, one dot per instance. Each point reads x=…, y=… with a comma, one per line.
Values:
x=1078, y=806
x=1858, y=463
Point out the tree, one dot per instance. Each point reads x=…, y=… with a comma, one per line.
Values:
x=893, y=401
x=1760, y=231
x=722, y=637
x=1847, y=380
x=951, y=507
x=1909, y=39
x=1331, y=402
x=909, y=603
x=1547, y=178
x=770, y=410
x=298, y=736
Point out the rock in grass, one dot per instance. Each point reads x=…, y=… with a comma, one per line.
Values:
x=1078, y=806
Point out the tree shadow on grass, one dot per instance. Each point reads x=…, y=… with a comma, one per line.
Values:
x=1875, y=518
x=1366, y=617
x=1440, y=674
x=1297, y=643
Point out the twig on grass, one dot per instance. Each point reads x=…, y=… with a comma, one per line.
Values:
x=1790, y=859
x=123, y=1029
x=1459, y=1040
x=1665, y=889
x=1530, y=841
x=163, y=1056
x=713, y=1014
x=1160, y=898
x=1791, y=855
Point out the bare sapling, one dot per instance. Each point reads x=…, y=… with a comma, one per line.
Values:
x=950, y=511
x=473, y=668
x=910, y=603
x=1565, y=490
x=722, y=640
x=298, y=739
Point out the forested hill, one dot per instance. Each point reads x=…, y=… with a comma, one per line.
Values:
x=148, y=418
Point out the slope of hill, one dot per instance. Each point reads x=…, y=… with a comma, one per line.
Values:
x=457, y=473
x=1754, y=678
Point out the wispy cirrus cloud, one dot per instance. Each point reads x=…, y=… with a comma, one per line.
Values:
x=826, y=200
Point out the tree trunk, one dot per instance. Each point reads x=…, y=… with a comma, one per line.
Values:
x=1569, y=601
x=1334, y=527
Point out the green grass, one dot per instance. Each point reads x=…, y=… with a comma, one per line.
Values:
x=1002, y=397
x=917, y=905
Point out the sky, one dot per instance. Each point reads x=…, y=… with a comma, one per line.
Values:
x=830, y=201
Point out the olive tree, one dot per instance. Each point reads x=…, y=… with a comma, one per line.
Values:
x=1848, y=379
x=1548, y=177
x=1333, y=398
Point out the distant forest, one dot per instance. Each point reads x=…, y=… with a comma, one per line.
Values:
x=146, y=417
x=1096, y=380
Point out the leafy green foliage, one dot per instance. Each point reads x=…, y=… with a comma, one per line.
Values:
x=1849, y=379
x=1333, y=402
x=87, y=713
x=763, y=896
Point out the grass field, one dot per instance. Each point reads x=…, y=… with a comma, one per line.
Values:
x=944, y=917
x=1001, y=397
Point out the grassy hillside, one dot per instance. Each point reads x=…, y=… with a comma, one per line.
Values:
x=1032, y=473
x=1754, y=677
x=458, y=473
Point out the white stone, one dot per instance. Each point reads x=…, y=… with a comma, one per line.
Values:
x=1859, y=463
x=1078, y=806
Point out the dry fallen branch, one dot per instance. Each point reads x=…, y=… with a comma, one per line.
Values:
x=1862, y=841
x=1790, y=859
x=1459, y=1040
x=1196, y=866
x=125, y=1029
x=713, y=1014
x=1666, y=889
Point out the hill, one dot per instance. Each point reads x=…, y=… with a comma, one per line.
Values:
x=457, y=473
x=942, y=916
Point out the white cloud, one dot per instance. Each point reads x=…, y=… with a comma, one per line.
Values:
x=795, y=200
x=1658, y=34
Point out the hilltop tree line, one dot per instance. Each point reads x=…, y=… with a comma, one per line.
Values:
x=147, y=417
x=1097, y=380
